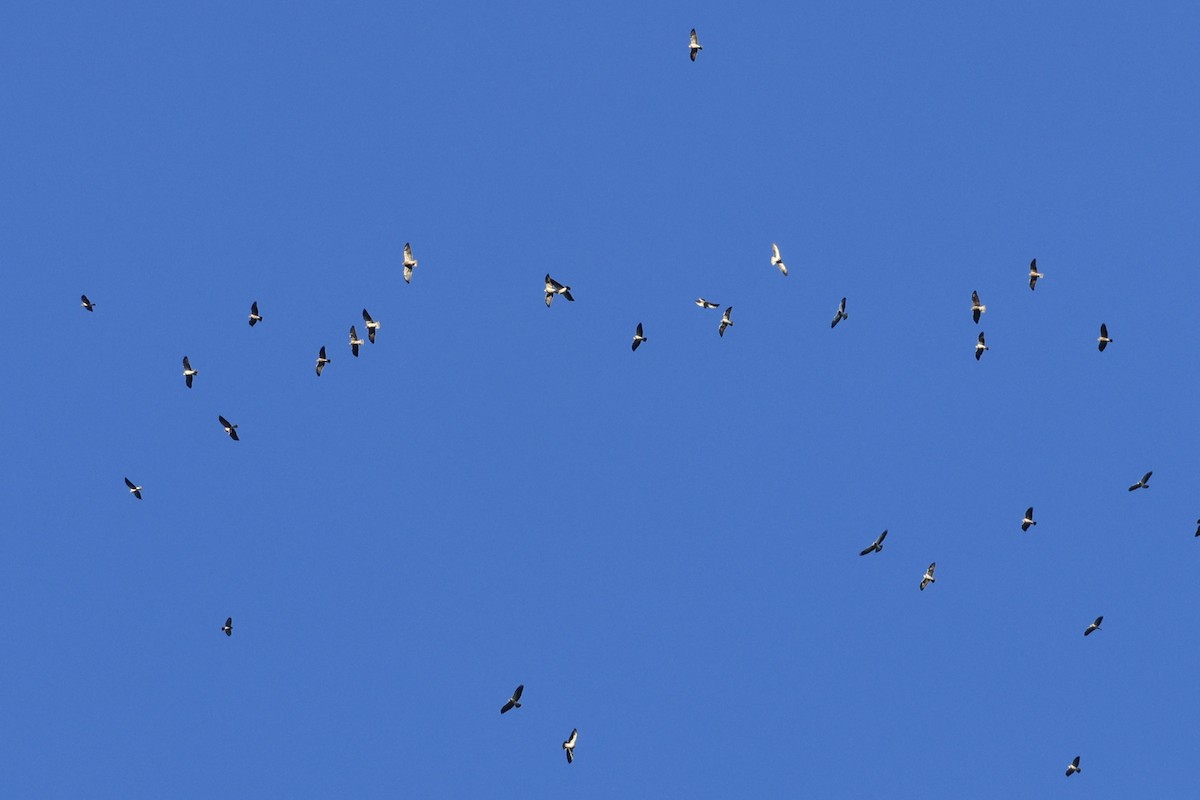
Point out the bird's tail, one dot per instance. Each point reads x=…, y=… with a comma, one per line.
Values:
x=516, y=705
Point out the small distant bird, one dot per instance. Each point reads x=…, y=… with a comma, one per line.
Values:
x=977, y=308
x=876, y=546
x=725, y=322
x=1034, y=274
x=1025, y=523
x=228, y=627
x=840, y=315
x=321, y=361
x=553, y=287
x=777, y=260
x=514, y=701
x=694, y=45
x=88, y=304
x=569, y=744
x=229, y=427
x=700, y=301
x=928, y=578
x=1144, y=483
x=1074, y=767
x=1095, y=626
x=255, y=317
x=638, y=338
x=1198, y=527
x=188, y=372
x=980, y=346
x=410, y=263
x=134, y=490
x=372, y=326
x=1103, y=340
x=355, y=342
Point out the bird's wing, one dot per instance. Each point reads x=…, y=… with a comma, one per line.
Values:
x=775, y=256
x=870, y=549
x=407, y=252
x=842, y=307
x=981, y=339
x=1029, y=513
x=516, y=696
x=695, y=39
x=639, y=329
x=224, y=422
x=570, y=757
x=1103, y=330
x=882, y=536
x=130, y=484
x=974, y=298
x=1098, y=621
x=1146, y=477
x=504, y=709
x=366, y=317
x=353, y=333
x=186, y=365
x=233, y=433
x=932, y=567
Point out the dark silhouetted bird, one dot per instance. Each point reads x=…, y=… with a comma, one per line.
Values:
x=229, y=427
x=372, y=326
x=980, y=346
x=229, y=627
x=1034, y=274
x=694, y=45
x=1144, y=483
x=321, y=361
x=88, y=304
x=1025, y=523
x=134, y=490
x=569, y=745
x=977, y=307
x=1074, y=767
x=255, y=317
x=188, y=372
x=876, y=546
x=514, y=701
x=355, y=342
x=1103, y=338
x=553, y=287
x=638, y=338
x=1095, y=626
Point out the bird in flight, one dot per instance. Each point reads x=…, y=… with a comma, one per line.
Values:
x=255, y=317
x=725, y=321
x=1034, y=274
x=1144, y=483
x=694, y=45
x=229, y=627
x=1103, y=339
x=1074, y=767
x=1198, y=527
x=1095, y=626
x=569, y=745
x=928, y=578
x=229, y=427
x=355, y=342
x=840, y=315
x=638, y=338
x=700, y=301
x=777, y=260
x=514, y=701
x=188, y=372
x=134, y=489
x=321, y=361
x=1025, y=523
x=876, y=546
x=977, y=308
x=553, y=287
x=372, y=326
x=88, y=304
x=980, y=346
x=410, y=263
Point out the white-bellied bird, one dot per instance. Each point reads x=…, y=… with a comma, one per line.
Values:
x=928, y=578
x=700, y=301
x=88, y=304
x=1095, y=626
x=840, y=315
x=777, y=259
x=638, y=338
x=228, y=629
x=1144, y=483
x=134, y=489
x=1103, y=339
x=980, y=346
x=569, y=745
x=410, y=263
x=229, y=427
x=255, y=317
x=188, y=372
x=355, y=342
x=553, y=287
x=1025, y=523
x=694, y=45
x=1074, y=767
x=372, y=326
x=1034, y=274
x=725, y=321
x=977, y=307
x=322, y=361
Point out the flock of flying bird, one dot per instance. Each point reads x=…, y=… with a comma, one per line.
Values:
x=555, y=289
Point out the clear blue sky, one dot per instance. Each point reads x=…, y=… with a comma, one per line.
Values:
x=661, y=545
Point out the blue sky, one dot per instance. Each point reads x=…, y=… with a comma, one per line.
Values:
x=661, y=545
